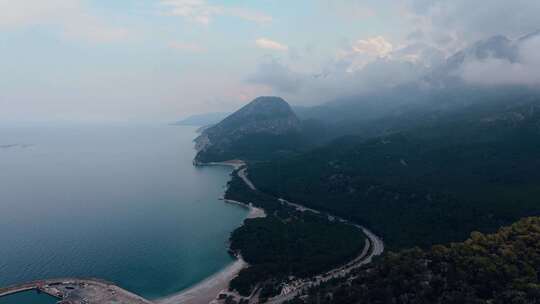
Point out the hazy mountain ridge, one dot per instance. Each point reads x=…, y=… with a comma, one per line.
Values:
x=201, y=120
x=498, y=47
x=443, y=88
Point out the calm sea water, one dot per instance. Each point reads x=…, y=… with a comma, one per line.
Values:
x=120, y=203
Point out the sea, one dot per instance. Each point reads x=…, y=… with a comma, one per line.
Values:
x=120, y=203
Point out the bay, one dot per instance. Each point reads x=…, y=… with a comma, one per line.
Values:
x=121, y=203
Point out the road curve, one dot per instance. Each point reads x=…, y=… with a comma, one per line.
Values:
x=376, y=245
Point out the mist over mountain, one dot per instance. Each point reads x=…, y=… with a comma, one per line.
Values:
x=421, y=162
x=497, y=60
x=434, y=93
x=406, y=76
x=495, y=70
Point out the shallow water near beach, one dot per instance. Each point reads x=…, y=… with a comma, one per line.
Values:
x=123, y=204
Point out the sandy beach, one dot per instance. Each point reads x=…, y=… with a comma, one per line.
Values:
x=254, y=212
x=207, y=290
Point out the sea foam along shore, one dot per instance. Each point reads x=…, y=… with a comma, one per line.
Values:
x=209, y=289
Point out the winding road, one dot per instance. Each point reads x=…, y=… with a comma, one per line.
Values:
x=374, y=247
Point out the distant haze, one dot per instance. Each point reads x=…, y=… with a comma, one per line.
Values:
x=202, y=120
x=163, y=60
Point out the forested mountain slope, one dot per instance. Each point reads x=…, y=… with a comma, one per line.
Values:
x=497, y=268
x=473, y=169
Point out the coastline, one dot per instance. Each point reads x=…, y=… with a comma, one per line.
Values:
x=235, y=163
x=208, y=290
x=215, y=288
x=374, y=247
x=254, y=212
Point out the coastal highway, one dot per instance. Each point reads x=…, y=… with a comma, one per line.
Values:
x=374, y=247
x=242, y=173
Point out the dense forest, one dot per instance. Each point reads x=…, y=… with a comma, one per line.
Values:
x=472, y=169
x=499, y=268
x=287, y=243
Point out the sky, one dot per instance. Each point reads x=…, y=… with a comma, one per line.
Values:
x=162, y=60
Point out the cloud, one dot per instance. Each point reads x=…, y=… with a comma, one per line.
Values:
x=187, y=47
x=200, y=11
x=93, y=30
x=375, y=46
x=274, y=74
x=265, y=43
x=73, y=19
x=361, y=67
x=249, y=15
x=346, y=9
x=193, y=10
x=333, y=81
x=421, y=53
x=525, y=70
x=460, y=22
x=364, y=51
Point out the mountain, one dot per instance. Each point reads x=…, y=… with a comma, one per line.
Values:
x=441, y=89
x=420, y=164
x=265, y=126
x=432, y=182
x=201, y=120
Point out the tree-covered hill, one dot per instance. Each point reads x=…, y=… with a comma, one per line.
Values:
x=472, y=169
x=499, y=268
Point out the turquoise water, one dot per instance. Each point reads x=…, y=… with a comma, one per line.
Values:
x=120, y=203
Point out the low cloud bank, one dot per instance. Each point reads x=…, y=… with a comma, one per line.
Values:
x=523, y=70
x=373, y=65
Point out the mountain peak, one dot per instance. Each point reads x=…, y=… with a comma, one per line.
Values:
x=267, y=117
x=263, y=99
x=263, y=107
